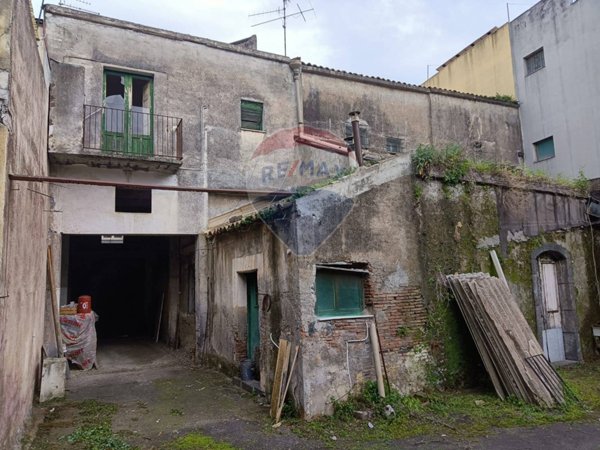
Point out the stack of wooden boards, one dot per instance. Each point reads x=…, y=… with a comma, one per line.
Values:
x=510, y=352
x=283, y=376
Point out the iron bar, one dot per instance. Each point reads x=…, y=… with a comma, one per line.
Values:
x=132, y=133
x=256, y=192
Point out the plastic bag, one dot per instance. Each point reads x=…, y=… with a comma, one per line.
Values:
x=79, y=334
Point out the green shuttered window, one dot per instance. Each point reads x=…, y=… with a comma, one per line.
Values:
x=252, y=115
x=339, y=293
x=544, y=149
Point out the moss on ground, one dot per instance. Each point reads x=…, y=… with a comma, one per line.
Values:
x=196, y=441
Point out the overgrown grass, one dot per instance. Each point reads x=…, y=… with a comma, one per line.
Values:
x=97, y=437
x=452, y=164
x=460, y=413
x=194, y=441
x=95, y=431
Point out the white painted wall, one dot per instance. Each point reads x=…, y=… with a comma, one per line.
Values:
x=84, y=209
x=560, y=100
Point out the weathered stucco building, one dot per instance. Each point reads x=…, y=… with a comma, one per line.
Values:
x=327, y=265
x=188, y=113
x=179, y=169
x=23, y=215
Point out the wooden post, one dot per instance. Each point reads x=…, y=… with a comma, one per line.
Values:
x=377, y=359
x=53, y=299
x=498, y=268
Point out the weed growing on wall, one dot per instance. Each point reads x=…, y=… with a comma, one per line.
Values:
x=453, y=167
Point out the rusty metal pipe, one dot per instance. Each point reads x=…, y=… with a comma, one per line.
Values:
x=255, y=192
x=354, y=118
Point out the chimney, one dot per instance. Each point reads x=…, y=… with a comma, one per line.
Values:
x=355, y=119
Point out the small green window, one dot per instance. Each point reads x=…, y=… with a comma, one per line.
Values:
x=339, y=293
x=252, y=115
x=544, y=149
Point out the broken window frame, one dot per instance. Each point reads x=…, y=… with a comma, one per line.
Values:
x=394, y=145
x=126, y=139
x=252, y=115
x=339, y=281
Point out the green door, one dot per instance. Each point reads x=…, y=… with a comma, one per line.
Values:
x=252, y=298
x=127, y=125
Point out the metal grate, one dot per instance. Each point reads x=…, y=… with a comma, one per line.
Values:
x=535, y=61
x=131, y=133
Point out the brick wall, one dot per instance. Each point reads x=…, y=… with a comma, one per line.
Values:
x=401, y=318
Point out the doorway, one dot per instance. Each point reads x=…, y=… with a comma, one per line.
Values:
x=554, y=295
x=253, y=339
x=127, y=282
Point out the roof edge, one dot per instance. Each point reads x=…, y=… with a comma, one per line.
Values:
x=384, y=82
x=160, y=32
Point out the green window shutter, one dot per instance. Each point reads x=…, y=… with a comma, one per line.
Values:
x=325, y=294
x=252, y=115
x=349, y=294
x=338, y=294
x=544, y=149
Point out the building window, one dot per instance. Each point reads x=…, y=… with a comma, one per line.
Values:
x=133, y=200
x=394, y=145
x=535, y=61
x=127, y=124
x=252, y=115
x=544, y=149
x=339, y=293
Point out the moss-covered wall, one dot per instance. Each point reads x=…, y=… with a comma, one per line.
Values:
x=458, y=227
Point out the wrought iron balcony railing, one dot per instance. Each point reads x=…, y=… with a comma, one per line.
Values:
x=131, y=132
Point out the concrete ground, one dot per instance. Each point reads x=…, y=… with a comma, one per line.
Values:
x=160, y=397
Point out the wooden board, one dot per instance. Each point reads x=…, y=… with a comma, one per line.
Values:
x=287, y=385
x=283, y=356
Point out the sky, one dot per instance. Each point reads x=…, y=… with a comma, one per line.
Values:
x=397, y=39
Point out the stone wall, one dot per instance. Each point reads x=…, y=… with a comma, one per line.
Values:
x=460, y=225
x=23, y=132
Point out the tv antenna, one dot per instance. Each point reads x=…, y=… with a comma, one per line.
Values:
x=72, y=6
x=283, y=15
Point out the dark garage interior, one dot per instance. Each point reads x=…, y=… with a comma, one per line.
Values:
x=127, y=282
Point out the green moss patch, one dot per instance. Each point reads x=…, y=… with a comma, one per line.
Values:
x=194, y=441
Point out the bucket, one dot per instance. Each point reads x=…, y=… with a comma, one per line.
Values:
x=246, y=370
x=84, y=304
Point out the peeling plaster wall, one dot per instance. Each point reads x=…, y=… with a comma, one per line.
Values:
x=231, y=255
x=187, y=75
x=486, y=129
x=378, y=230
x=195, y=79
x=23, y=131
x=347, y=221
